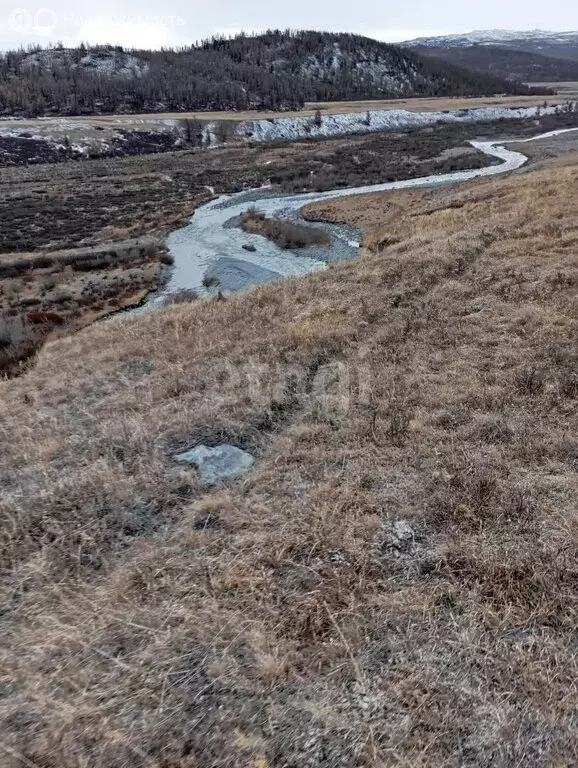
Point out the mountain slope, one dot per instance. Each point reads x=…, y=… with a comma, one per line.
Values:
x=528, y=56
x=505, y=62
x=533, y=40
x=274, y=70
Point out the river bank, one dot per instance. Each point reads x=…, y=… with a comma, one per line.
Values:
x=65, y=139
x=213, y=245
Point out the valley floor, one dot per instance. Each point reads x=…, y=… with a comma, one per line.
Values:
x=394, y=583
x=118, y=203
x=72, y=233
x=132, y=122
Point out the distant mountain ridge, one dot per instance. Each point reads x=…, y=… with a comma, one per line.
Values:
x=495, y=37
x=275, y=70
x=533, y=56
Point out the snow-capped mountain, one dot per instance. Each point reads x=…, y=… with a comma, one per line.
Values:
x=534, y=56
x=535, y=37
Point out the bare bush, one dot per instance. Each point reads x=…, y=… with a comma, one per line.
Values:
x=285, y=234
x=225, y=131
x=167, y=259
x=193, y=130
x=529, y=380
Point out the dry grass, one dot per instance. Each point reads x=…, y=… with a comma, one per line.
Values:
x=19, y=340
x=134, y=122
x=567, y=89
x=85, y=259
x=77, y=285
x=279, y=620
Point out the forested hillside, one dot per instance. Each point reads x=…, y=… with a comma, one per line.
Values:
x=275, y=70
x=506, y=62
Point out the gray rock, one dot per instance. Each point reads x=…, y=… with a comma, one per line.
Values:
x=217, y=463
x=235, y=274
x=402, y=535
x=249, y=247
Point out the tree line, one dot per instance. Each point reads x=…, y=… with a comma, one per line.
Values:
x=276, y=70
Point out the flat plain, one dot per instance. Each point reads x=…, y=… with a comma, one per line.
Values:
x=336, y=107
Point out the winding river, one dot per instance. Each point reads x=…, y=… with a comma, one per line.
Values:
x=213, y=247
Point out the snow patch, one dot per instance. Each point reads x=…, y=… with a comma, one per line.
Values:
x=377, y=120
x=104, y=62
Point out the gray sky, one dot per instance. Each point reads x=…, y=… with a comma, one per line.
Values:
x=153, y=23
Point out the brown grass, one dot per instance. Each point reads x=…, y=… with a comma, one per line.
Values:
x=280, y=619
x=19, y=340
x=79, y=285
x=90, y=258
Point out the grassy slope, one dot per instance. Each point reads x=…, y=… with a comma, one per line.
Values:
x=273, y=621
x=507, y=62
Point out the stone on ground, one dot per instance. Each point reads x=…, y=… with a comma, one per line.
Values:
x=218, y=462
x=237, y=275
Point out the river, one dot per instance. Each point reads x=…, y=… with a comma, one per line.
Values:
x=211, y=245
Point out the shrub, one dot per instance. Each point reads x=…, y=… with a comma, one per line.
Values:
x=62, y=295
x=529, y=380
x=285, y=234
x=167, y=258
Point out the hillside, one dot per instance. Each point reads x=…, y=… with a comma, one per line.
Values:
x=393, y=583
x=276, y=70
x=507, y=63
x=563, y=45
x=525, y=56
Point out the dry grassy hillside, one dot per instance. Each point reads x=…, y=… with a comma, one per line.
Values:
x=395, y=583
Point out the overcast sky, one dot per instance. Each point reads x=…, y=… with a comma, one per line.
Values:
x=153, y=23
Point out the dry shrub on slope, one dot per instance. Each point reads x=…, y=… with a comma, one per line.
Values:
x=286, y=234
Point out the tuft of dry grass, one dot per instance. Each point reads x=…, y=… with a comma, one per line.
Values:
x=273, y=620
x=19, y=341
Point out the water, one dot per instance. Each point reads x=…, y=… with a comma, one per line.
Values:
x=211, y=244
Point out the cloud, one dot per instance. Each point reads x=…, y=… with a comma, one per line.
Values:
x=151, y=23
x=400, y=34
x=23, y=26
